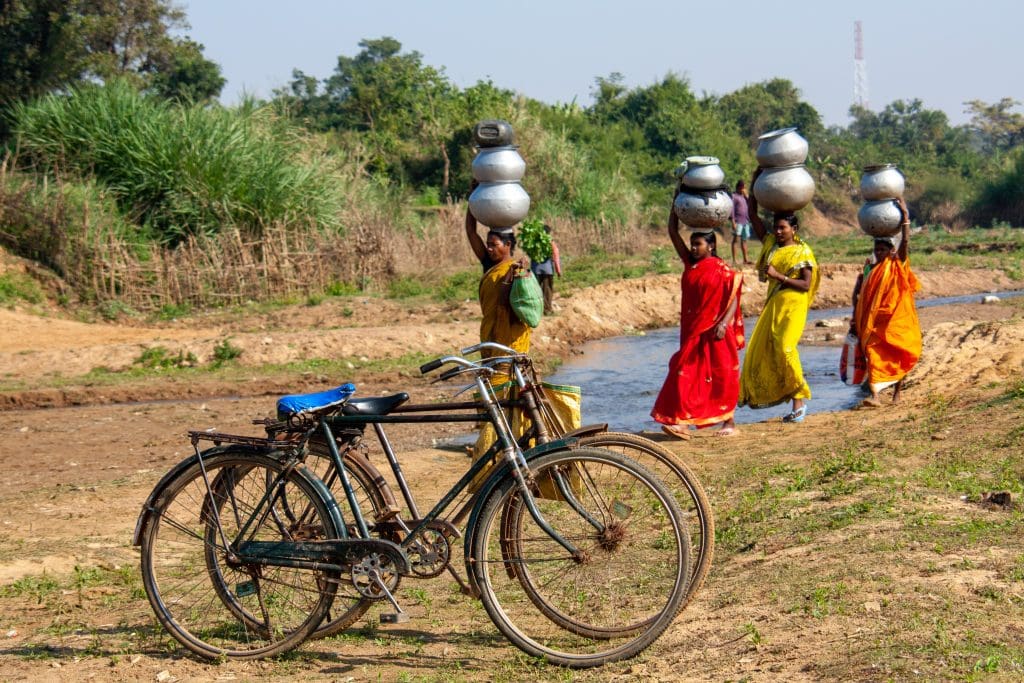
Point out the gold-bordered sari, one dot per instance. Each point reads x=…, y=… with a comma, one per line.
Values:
x=772, y=373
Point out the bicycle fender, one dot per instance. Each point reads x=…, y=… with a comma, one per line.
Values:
x=500, y=475
x=178, y=469
x=587, y=430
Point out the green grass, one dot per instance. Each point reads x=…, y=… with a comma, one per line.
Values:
x=19, y=287
x=994, y=248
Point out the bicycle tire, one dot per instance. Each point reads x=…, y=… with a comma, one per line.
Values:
x=692, y=499
x=620, y=597
x=206, y=611
x=371, y=490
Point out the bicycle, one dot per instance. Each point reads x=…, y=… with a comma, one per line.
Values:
x=543, y=426
x=244, y=550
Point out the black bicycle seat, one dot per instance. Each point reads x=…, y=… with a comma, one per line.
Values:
x=378, y=405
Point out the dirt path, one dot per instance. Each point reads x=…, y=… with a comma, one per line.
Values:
x=75, y=478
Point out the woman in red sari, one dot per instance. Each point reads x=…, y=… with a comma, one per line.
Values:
x=703, y=380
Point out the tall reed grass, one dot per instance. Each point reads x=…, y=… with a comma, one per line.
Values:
x=180, y=171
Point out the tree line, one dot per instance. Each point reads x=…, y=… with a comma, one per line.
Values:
x=395, y=131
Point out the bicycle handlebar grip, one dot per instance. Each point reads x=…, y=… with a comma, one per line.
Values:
x=430, y=366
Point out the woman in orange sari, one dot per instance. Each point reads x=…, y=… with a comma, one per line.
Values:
x=884, y=315
x=703, y=380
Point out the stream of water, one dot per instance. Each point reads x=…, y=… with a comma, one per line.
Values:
x=621, y=376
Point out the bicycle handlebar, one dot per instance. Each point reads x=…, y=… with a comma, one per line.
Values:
x=489, y=345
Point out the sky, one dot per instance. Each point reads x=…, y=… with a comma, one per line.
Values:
x=943, y=52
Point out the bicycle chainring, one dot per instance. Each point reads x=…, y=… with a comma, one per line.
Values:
x=373, y=565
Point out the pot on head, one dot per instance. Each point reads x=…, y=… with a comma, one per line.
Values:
x=880, y=217
x=493, y=133
x=782, y=147
x=499, y=205
x=881, y=181
x=498, y=164
x=784, y=188
x=703, y=208
x=701, y=173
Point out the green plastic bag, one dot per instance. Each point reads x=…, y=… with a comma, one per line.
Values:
x=526, y=299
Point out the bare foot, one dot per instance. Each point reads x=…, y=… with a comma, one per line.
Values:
x=726, y=431
x=680, y=432
x=870, y=402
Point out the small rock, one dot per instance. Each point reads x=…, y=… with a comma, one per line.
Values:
x=350, y=365
x=829, y=322
x=831, y=336
x=939, y=437
x=990, y=299
x=23, y=430
x=164, y=675
x=872, y=606
x=267, y=341
x=13, y=632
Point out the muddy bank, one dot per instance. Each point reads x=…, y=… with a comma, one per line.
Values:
x=42, y=350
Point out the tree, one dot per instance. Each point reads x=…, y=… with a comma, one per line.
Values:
x=51, y=45
x=184, y=74
x=761, y=107
x=1000, y=128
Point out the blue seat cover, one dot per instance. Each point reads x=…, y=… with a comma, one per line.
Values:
x=296, y=404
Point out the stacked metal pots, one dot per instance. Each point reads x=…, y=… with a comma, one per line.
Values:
x=784, y=185
x=499, y=201
x=703, y=200
x=880, y=186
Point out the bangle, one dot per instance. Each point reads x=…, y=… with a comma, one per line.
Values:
x=905, y=224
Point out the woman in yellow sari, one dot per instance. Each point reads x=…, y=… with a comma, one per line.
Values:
x=499, y=322
x=772, y=373
x=885, y=316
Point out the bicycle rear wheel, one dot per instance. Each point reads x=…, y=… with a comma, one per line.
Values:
x=618, y=594
x=217, y=607
x=683, y=483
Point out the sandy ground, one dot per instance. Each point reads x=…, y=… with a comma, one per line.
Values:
x=76, y=472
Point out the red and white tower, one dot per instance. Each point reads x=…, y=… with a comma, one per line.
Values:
x=860, y=69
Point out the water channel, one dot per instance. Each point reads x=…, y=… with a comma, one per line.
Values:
x=621, y=376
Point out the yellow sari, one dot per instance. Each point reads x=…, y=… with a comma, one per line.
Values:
x=772, y=373
x=499, y=324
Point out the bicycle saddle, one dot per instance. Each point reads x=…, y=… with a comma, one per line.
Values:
x=377, y=405
x=297, y=404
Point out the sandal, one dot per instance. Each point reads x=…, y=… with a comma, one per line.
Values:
x=726, y=431
x=796, y=415
x=672, y=431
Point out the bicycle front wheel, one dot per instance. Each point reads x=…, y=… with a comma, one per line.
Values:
x=684, y=485
x=217, y=606
x=617, y=593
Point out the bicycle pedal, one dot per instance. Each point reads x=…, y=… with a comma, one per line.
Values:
x=394, y=618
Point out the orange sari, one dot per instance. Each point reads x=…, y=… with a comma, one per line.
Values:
x=887, y=325
x=703, y=380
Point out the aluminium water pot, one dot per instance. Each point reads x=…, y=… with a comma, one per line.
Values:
x=498, y=164
x=880, y=217
x=881, y=181
x=782, y=147
x=701, y=173
x=703, y=208
x=784, y=188
x=499, y=205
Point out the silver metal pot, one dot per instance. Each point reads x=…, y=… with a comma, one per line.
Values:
x=783, y=147
x=701, y=173
x=703, y=208
x=882, y=181
x=498, y=164
x=499, y=205
x=784, y=188
x=880, y=218
x=493, y=133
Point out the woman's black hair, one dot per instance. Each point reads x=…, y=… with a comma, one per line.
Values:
x=508, y=238
x=710, y=238
x=789, y=217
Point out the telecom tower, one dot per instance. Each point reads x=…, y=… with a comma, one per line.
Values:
x=860, y=69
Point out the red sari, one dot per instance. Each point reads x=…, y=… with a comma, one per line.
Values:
x=703, y=382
